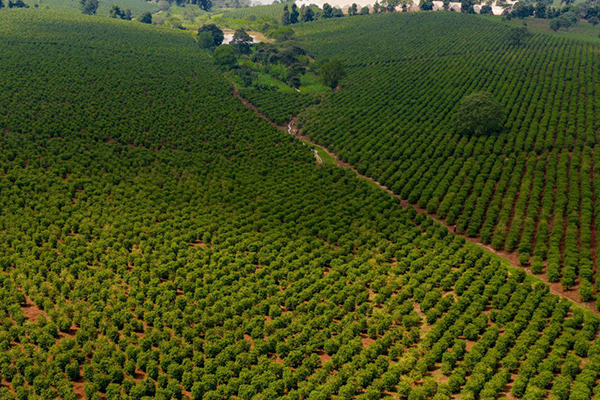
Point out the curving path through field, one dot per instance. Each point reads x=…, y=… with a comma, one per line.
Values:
x=510, y=257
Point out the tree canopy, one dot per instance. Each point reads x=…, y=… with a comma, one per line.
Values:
x=225, y=56
x=332, y=72
x=119, y=13
x=241, y=41
x=89, y=7
x=517, y=36
x=210, y=36
x=479, y=113
x=146, y=18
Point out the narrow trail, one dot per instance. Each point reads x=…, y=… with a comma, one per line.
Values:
x=511, y=257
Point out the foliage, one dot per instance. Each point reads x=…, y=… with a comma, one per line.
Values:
x=241, y=42
x=486, y=10
x=281, y=34
x=426, y=5
x=332, y=72
x=563, y=21
x=224, y=56
x=89, y=7
x=210, y=36
x=516, y=36
x=119, y=13
x=145, y=18
x=467, y=6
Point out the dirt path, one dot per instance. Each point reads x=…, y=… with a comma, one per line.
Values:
x=510, y=257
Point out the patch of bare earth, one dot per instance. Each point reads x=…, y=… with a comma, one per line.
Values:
x=249, y=339
x=366, y=341
x=31, y=311
x=439, y=378
x=323, y=356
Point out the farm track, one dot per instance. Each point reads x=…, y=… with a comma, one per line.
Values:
x=510, y=257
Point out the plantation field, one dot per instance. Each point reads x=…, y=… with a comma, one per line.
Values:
x=137, y=7
x=532, y=189
x=273, y=11
x=161, y=240
x=580, y=31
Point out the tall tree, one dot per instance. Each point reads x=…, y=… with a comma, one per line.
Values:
x=327, y=11
x=331, y=72
x=205, y=5
x=540, y=10
x=390, y=5
x=426, y=5
x=353, y=10
x=215, y=32
x=285, y=18
x=467, y=6
x=1, y=4
x=308, y=15
x=146, y=18
x=479, y=113
x=241, y=41
x=116, y=12
x=486, y=9
x=294, y=14
x=516, y=36
x=364, y=10
x=225, y=56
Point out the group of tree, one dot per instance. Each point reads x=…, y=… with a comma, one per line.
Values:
x=145, y=18
x=307, y=13
x=211, y=37
x=560, y=17
x=118, y=13
x=564, y=21
x=14, y=4
x=205, y=5
x=312, y=12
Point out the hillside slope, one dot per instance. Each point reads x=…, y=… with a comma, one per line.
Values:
x=531, y=189
x=159, y=239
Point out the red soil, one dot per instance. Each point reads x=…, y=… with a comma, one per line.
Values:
x=31, y=311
